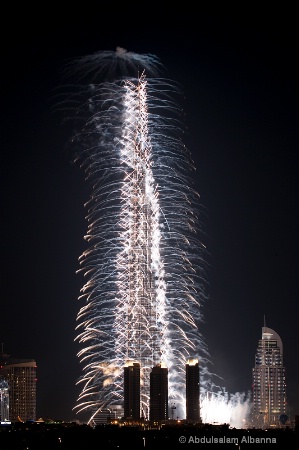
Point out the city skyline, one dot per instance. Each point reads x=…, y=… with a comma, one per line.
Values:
x=240, y=104
x=268, y=408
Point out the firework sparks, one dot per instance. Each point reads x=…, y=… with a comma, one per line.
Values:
x=144, y=265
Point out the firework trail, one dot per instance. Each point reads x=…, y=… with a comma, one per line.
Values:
x=144, y=264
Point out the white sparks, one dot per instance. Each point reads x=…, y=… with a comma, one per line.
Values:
x=144, y=265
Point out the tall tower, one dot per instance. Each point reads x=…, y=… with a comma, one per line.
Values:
x=132, y=390
x=192, y=390
x=143, y=265
x=159, y=393
x=140, y=280
x=269, y=387
x=20, y=375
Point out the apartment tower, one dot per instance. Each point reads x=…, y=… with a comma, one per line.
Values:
x=20, y=375
x=269, y=387
x=159, y=393
x=192, y=390
x=132, y=390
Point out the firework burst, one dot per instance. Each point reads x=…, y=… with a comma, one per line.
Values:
x=144, y=263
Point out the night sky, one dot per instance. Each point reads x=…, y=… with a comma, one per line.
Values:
x=241, y=102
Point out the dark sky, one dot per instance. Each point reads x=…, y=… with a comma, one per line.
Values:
x=241, y=102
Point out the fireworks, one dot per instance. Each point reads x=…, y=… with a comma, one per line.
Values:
x=144, y=263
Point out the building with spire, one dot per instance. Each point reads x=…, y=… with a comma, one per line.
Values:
x=269, y=386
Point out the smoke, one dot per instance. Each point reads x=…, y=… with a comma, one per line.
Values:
x=221, y=407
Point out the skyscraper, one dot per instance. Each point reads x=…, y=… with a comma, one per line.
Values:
x=269, y=387
x=144, y=263
x=159, y=393
x=192, y=390
x=20, y=375
x=132, y=390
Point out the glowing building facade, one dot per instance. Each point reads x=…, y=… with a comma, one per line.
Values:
x=4, y=401
x=20, y=375
x=269, y=386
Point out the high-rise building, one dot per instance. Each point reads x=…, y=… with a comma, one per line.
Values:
x=20, y=375
x=269, y=387
x=142, y=289
x=192, y=390
x=159, y=393
x=132, y=390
